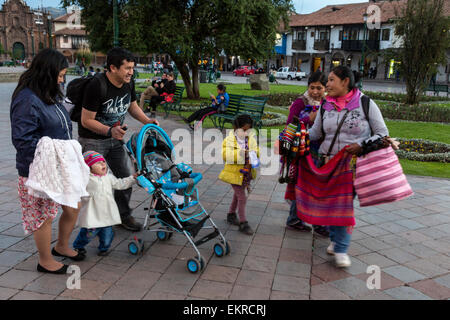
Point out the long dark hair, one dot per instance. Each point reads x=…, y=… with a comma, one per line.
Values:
x=345, y=72
x=241, y=120
x=318, y=76
x=42, y=76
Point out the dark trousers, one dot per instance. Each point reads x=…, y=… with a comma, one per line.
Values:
x=118, y=161
x=105, y=237
x=199, y=114
x=155, y=101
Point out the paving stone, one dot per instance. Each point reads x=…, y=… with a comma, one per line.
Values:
x=239, y=247
x=11, y=258
x=299, y=244
x=291, y=284
x=220, y=274
x=231, y=260
x=17, y=279
x=432, y=289
x=356, y=249
x=7, y=293
x=254, y=279
x=357, y=267
x=8, y=241
x=283, y=295
x=294, y=269
x=48, y=284
x=439, y=246
x=156, y=295
x=444, y=280
x=351, y=286
x=406, y=293
x=6, y=225
x=440, y=260
x=394, y=240
x=264, y=251
x=90, y=290
x=293, y=255
x=404, y=274
x=373, y=231
x=327, y=272
x=398, y=255
x=393, y=227
x=373, y=244
x=426, y=267
x=105, y=273
x=28, y=295
x=376, y=259
x=414, y=236
x=259, y=264
x=386, y=281
x=375, y=295
x=419, y=250
x=268, y=240
x=327, y=292
x=211, y=290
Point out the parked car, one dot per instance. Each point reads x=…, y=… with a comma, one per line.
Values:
x=290, y=74
x=244, y=71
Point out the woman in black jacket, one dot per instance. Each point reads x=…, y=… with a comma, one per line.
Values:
x=164, y=90
x=36, y=112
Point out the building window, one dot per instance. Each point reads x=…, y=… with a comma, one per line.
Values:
x=341, y=34
x=386, y=35
x=301, y=36
x=66, y=39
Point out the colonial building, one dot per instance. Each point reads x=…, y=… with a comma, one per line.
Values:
x=338, y=35
x=22, y=31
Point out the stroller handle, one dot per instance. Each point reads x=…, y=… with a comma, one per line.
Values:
x=197, y=177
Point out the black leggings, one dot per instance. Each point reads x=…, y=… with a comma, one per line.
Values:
x=199, y=114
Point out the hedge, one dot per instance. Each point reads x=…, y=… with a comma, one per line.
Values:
x=421, y=112
x=423, y=150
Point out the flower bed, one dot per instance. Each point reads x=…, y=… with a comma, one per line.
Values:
x=273, y=119
x=423, y=150
x=400, y=97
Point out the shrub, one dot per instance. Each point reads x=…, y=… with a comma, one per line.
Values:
x=421, y=112
x=423, y=150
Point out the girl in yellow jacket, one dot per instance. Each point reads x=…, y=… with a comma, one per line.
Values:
x=240, y=152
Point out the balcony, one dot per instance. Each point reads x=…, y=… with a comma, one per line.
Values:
x=357, y=45
x=299, y=45
x=322, y=45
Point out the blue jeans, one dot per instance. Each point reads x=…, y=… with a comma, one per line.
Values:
x=293, y=218
x=341, y=238
x=105, y=236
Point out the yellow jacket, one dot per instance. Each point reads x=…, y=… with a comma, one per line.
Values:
x=235, y=159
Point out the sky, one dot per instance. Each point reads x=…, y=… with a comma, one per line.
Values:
x=301, y=6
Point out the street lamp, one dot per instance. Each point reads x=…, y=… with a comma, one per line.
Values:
x=49, y=21
x=116, y=23
x=362, y=55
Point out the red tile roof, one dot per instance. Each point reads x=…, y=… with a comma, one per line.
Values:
x=350, y=13
x=71, y=32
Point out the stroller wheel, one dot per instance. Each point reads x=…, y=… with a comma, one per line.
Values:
x=163, y=236
x=134, y=247
x=219, y=249
x=227, y=248
x=194, y=265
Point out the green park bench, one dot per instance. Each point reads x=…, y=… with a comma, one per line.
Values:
x=438, y=88
x=239, y=104
x=168, y=107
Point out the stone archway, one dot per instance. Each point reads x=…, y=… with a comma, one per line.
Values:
x=18, y=51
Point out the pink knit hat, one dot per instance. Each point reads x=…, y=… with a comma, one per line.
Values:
x=91, y=157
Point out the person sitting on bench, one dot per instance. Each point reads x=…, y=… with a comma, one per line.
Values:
x=219, y=104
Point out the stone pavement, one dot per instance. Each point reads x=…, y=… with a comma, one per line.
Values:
x=408, y=240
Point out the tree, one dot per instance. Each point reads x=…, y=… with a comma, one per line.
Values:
x=188, y=29
x=84, y=54
x=423, y=28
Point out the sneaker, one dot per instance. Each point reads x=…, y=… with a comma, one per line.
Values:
x=342, y=260
x=80, y=250
x=130, y=223
x=103, y=253
x=232, y=219
x=245, y=228
x=300, y=226
x=330, y=249
x=323, y=231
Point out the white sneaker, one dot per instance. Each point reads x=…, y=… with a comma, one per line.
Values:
x=342, y=260
x=330, y=249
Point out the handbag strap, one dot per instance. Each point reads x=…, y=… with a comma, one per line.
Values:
x=337, y=132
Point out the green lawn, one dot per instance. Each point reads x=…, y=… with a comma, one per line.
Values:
x=419, y=130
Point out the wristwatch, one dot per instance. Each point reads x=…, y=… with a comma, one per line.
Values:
x=109, y=134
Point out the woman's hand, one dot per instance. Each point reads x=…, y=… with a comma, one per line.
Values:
x=354, y=149
x=312, y=116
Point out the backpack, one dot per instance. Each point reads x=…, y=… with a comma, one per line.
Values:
x=75, y=93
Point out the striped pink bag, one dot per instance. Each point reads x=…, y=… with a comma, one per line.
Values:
x=380, y=178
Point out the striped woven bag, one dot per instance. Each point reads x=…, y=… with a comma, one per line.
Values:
x=380, y=178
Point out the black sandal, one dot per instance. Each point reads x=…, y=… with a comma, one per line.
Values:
x=79, y=257
x=62, y=270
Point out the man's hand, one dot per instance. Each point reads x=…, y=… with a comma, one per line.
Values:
x=118, y=133
x=354, y=149
x=153, y=121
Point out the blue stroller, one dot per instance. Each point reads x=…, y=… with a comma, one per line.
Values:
x=175, y=205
